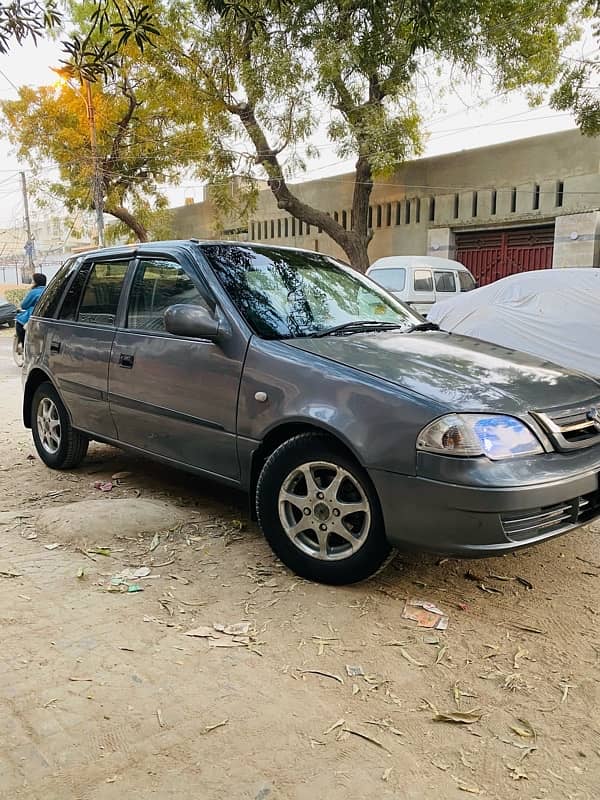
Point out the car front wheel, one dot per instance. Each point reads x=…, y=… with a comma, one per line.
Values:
x=58, y=444
x=319, y=512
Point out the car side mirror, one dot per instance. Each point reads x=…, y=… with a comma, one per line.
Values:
x=192, y=321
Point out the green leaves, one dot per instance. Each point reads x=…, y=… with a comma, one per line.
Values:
x=138, y=25
x=97, y=50
x=147, y=129
x=579, y=86
x=22, y=20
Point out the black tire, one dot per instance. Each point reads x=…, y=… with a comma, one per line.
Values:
x=332, y=562
x=71, y=445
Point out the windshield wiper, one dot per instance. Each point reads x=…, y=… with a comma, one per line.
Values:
x=423, y=326
x=357, y=326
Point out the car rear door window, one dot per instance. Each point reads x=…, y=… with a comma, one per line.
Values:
x=423, y=280
x=93, y=297
x=102, y=293
x=68, y=311
x=157, y=285
x=444, y=281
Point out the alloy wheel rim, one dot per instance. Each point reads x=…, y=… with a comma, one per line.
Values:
x=48, y=425
x=324, y=511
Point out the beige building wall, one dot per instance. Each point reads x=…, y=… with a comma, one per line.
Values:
x=577, y=240
x=421, y=208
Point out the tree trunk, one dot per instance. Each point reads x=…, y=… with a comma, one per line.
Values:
x=353, y=242
x=363, y=186
x=357, y=251
x=128, y=219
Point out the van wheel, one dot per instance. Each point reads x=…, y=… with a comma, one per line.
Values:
x=319, y=511
x=58, y=444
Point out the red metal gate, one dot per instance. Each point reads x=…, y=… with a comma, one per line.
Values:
x=491, y=255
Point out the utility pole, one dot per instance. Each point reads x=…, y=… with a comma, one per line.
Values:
x=27, y=272
x=98, y=178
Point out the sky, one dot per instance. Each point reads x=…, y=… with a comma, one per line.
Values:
x=471, y=117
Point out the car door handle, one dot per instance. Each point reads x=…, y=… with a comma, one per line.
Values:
x=55, y=346
x=126, y=360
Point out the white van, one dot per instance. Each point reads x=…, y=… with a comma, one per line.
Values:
x=420, y=281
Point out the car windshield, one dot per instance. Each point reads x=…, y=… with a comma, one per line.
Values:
x=284, y=294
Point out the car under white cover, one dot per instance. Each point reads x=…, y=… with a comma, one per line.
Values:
x=553, y=314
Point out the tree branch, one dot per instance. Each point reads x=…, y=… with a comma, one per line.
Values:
x=125, y=216
x=123, y=123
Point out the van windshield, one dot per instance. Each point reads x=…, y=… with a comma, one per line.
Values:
x=283, y=294
x=394, y=280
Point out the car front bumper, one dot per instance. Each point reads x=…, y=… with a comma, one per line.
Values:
x=476, y=521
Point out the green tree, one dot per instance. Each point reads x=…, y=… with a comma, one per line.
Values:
x=145, y=133
x=265, y=66
x=112, y=24
x=579, y=85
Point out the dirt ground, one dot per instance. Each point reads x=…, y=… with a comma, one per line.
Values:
x=319, y=692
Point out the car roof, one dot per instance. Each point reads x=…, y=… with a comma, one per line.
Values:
x=389, y=262
x=173, y=245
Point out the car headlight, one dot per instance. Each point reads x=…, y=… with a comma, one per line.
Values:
x=493, y=435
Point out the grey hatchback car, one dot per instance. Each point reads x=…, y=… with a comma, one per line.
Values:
x=354, y=425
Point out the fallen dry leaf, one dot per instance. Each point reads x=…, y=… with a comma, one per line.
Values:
x=339, y=724
x=410, y=659
x=458, y=717
x=204, y=631
x=366, y=737
x=525, y=729
x=323, y=674
x=210, y=728
x=470, y=788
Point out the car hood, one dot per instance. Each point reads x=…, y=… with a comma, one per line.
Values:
x=7, y=308
x=458, y=372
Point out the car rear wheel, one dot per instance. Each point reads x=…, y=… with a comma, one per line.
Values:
x=319, y=512
x=58, y=444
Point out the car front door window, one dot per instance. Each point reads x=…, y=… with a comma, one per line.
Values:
x=157, y=285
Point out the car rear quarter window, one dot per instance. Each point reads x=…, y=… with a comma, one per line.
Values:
x=392, y=279
x=444, y=281
x=93, y=297
x=467, y=281
x=157, y=285
x=423, y=280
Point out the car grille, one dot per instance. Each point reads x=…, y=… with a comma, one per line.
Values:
x=551, y=519
x=572, y=428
